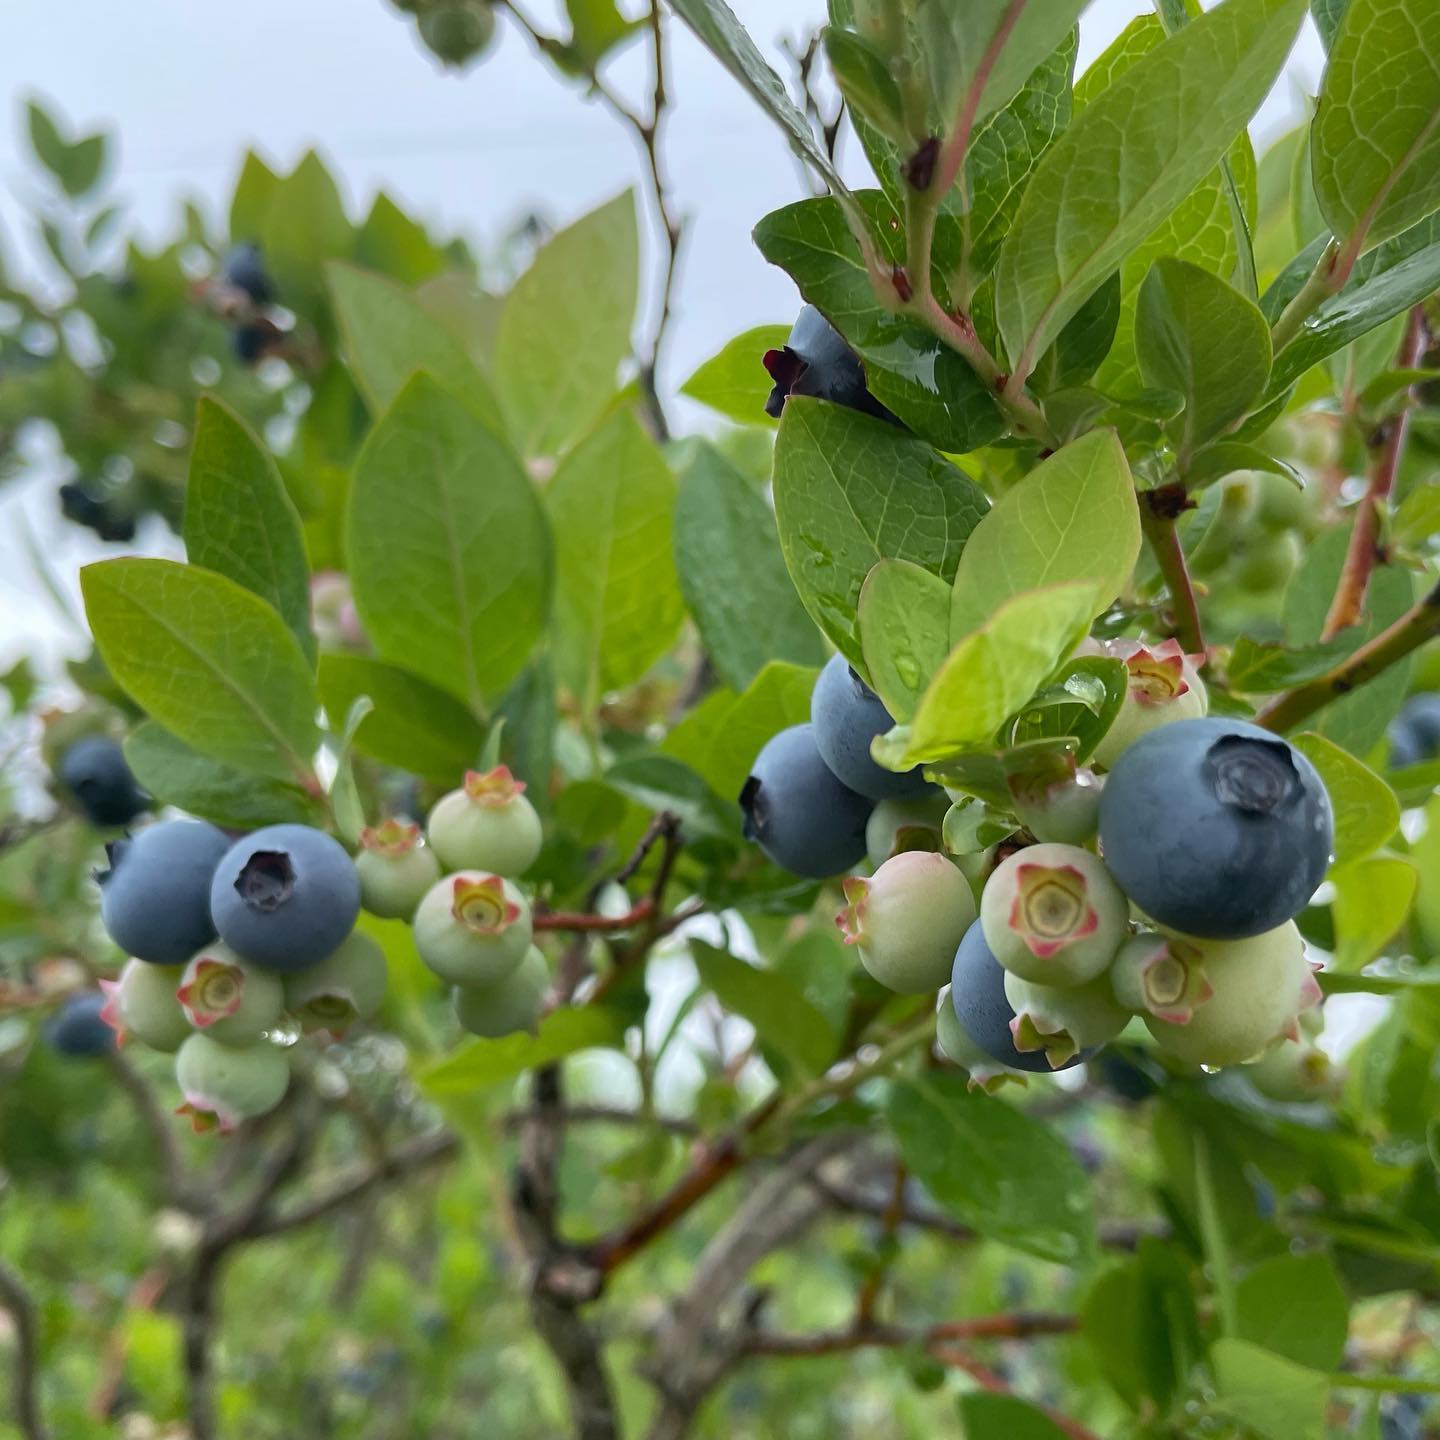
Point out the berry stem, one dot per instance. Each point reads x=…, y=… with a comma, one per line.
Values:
x=1170, y=557
x=1417, y=625
x=16, y=1299
x=1387, y=445
x=1012, y=1325
x=1325, y=280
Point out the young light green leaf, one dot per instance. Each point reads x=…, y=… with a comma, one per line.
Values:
x=1375, y=138
x=414, y=725
x=392, y=243
x=1197, y=335
x=387, y=335
x=479, y=1063
x=565, y=328
x=254, y=189
x=240, y=520
x=851, y=490
x=734, y=382
x=212, y=662
x=1367, y=813
x=790, y=1028
x=617, y=596
x=1295, y=1306
x=450, y=554
x=1271, y=1396
x=904, y=620
x=177, y=775
x=345, y=802
x=720, y=738
x=992, y=1167
x=994, y=670
x=727, y=554
x=305, y=225
x=1129, y=158
x=1073, y=517
x=908, y=369
x=1372, y=901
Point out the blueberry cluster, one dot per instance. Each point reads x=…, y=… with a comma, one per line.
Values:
x=1253, y=540
x=1163, y=884
x=227, y=938
x=245, y=293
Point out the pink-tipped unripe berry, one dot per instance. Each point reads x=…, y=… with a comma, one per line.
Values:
x=1160, y=975
x=1261, y=986
x=473, y=928
x=1295, y=1071
x=345, y=987
x=1164, y=685
x=1060, y=1023
x=985, y=1072
x=896, y=826
x=396, y=868
x=1052, y=914
x=225, y=1084
x=508, y=1005
x=487, y=824
x=229, y=999
x=141, y=1005
x=908, y=919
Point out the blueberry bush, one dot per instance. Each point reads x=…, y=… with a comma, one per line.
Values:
x=911, y=909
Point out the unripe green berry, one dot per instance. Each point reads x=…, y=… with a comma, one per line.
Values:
x=346, y=986
x=1280, y=503
x=488, y=825
x=1267, y=562
x=1163, y=685
x=457, y=32
x=1052, y=914
x=1261, y=986
x=231, y=1000
x=396, y=868
x=985, y=1072
x=1062, y=1022
x=225, y=1084
x=142, y=1004
x=473, y=928
x=1295, y=1071
x=1160, y=975
x=908, y=920
x=1066, y=810
x=896, y=826
x=508, y=1005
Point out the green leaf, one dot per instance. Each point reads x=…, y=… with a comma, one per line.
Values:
x=1268, y=1394
x=45, y=138
x=449, y=550
x=1083, y=344
x=661, y=782
x=735, y=382
x=479, y=1063
x=596, y=28
x=927, y=384
x=617, y=597
x=254, y=191
x=177, y=775
x=865, y=81
x=851, y=490
x=990, y=44
x=240, y=520
x=395, y=245
x=1367, y=813
x=1224, y=457
x=1295, y=1306
x=1073, y=517
x=387, y=335
x=789, y=1027
x=75, y=164
x=1196, y=335
x=1359, y=719
x=1418, y=517
x=305, y=225
x=904, y=620
x=414, y=726
x=565, y=328
x=721, y=737
x=345, y=802
x=1375, y=138
x=1393, y=277
x=1131, y=157
x=986, y=1416
x=994, y=670
x=1082, y=700
x=1328, y=15
x=211, y=662
x=732, y=572
x=992, y=1167
x=1372, y=901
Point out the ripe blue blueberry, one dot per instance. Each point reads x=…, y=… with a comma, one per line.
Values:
x=1216, y=828
x=815, y=360
x=155, y=897
x=245, y=270
x=94, y=772
x=847, y=716
x=285, y=897
x=977, y=992
x=77, y=1029
x=1415, y=731
x=799, y=814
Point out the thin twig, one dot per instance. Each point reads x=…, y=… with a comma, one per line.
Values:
x=890, y=1219
x=1417, y=625
x=607, y=1115
x=16, y=1298
x=1386, y=448
x=1158, y=522
x=1012, y=1325
x=987, y=1379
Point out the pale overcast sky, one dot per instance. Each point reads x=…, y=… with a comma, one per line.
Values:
x=187, y=86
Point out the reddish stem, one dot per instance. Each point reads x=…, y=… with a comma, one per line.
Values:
x=1170, y=557
x=1387, y=446
x=578, y=921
